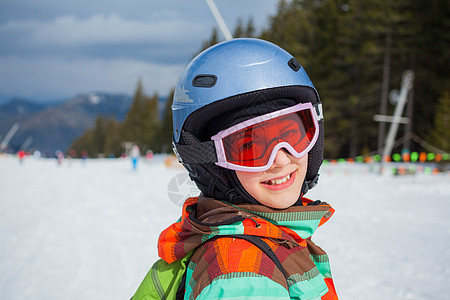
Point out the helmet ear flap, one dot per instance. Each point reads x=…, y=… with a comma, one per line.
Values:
x=315, y=155
x=208, y=180
x=208, y=177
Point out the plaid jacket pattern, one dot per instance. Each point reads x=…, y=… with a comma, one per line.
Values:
x=232, y=268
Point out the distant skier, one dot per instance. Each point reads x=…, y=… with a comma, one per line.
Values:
x=59, y=157
x=149, y=155
x=84, y=156
x=248, y=128
x=37, y=154
x=72, y=153
x=135, y=154
x=21, y=155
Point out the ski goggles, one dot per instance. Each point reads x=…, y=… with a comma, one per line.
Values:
x=252, y=145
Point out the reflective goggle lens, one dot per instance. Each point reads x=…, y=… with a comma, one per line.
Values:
x=252, y=146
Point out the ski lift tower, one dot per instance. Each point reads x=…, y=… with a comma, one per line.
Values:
x=222, y=25
x=396, y=119
x=9, y=136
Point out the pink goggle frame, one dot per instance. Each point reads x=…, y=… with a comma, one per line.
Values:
x=219, y=145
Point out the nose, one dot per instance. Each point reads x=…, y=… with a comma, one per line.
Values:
x=281, y=159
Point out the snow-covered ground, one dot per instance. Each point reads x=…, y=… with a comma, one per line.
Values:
x=88, y=230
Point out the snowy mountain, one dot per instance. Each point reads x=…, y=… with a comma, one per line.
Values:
x=54, y=127
x=19, y=106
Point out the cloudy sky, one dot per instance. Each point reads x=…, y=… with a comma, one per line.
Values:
x=53, y=49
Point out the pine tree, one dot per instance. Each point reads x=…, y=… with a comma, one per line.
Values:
x=113, y=139
x=214, y=39
x=420, y=43
x=132, y=126
x=166, y=131
x=150, y=124
x=250, y=30
x=84, y=143
x=440, y=135
x=340, y=44
x=239, y=31
x=99, y=135
x=351, y=45
x=244, y=32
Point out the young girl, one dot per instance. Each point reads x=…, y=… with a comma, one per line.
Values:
x=248, y=127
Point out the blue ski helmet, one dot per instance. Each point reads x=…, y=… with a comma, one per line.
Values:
x=242, y=76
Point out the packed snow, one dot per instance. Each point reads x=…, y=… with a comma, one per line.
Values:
x=87, y=229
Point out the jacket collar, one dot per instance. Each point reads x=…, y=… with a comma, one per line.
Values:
x=203, y=218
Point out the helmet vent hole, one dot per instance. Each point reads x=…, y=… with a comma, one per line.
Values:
x=294, y=64
x=204, y=81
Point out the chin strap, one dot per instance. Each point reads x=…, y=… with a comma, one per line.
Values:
x=241, y=194
x=211, y=186
x=309, y=184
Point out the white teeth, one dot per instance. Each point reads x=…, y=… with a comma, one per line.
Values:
x=279, y=181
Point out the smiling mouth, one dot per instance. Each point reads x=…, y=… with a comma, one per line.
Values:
x=278, y=181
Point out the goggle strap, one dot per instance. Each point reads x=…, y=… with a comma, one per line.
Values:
x=195, y=152
x=319, y=111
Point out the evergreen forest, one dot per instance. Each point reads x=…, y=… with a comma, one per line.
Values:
x=355, y=52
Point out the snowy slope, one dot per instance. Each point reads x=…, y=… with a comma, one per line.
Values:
x=89, y=230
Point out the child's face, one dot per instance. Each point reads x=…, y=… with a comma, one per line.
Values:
x=279, y=186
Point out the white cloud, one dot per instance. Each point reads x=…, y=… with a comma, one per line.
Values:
x=51, y=49
x=59, y=70
x=51, y=77
x=69, y=30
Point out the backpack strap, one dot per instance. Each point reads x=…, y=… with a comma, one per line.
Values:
x=181, y=288
x=264, y=247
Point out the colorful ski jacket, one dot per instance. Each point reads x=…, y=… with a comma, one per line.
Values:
x=234, y=268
